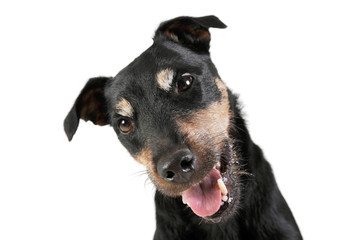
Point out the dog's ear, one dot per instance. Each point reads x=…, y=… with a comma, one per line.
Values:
x=189, y=31
x=90, y=105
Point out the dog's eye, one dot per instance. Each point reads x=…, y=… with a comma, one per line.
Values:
x=185, y=82
x=125, y=125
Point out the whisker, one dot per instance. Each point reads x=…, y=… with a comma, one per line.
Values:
x=139, y=173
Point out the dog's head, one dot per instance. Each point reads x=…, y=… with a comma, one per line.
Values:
x=171, y=111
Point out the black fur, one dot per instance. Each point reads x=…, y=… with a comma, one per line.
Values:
x=258, y=210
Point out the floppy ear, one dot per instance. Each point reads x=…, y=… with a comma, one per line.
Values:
x=190, y=32
x=90, y=105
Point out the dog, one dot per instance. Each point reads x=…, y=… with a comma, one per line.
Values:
x=173, y=113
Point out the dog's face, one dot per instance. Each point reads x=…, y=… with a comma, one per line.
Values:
x=171, y=111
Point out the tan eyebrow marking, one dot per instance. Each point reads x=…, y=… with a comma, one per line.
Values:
x=124, y=108
x=165, y=78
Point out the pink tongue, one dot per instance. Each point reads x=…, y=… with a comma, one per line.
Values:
x=204, y=198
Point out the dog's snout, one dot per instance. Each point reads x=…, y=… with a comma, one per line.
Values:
x=177, y=167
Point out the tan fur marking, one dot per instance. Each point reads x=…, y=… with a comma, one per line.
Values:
x=144, y=157
x=210, y=124
x=165, y=78
x=124, y=108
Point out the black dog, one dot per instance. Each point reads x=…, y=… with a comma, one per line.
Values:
x=173, y=113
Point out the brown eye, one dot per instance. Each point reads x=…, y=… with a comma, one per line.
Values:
x=125, y=125
x=185, y=82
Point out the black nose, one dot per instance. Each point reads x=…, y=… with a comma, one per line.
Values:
x=177, y=167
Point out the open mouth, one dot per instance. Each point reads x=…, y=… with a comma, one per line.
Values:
x=213, y=196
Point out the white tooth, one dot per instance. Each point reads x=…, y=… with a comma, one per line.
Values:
x=224, y=198
x=218, y=165
x=222, y=203
x=222, y=186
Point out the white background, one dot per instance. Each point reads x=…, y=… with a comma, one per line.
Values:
x=296, y=66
